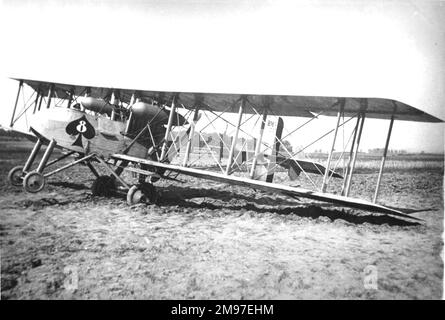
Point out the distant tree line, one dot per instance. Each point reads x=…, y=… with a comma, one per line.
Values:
x=390, y=151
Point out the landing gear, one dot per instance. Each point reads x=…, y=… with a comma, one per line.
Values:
x=34, y=182
x=103, y=186
x=144, y=192
x=15, y=176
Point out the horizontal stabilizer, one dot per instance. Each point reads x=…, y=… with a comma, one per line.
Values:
x=295, y=166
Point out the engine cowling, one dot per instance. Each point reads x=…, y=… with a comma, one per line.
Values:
x=145, y=112
x=97, y=105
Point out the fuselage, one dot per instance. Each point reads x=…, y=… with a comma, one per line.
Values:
x=107, y=135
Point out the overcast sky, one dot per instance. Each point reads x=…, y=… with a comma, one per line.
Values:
x=388, y=49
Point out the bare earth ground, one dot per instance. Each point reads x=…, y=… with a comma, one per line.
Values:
x=219, y=242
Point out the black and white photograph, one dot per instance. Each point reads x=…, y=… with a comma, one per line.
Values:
x=222, y=150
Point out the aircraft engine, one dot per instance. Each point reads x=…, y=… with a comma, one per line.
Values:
x=97, y=105
x=145, y=112
x=141, y=114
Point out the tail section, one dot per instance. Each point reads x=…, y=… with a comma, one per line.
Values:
x=295, y=166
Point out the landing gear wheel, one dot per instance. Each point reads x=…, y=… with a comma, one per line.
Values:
x=144, y=192
x=135, y=196
x=15, y=176
x=103, y=186
x=34, y=182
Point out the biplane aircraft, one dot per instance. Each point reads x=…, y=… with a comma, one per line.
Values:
x=152, y=133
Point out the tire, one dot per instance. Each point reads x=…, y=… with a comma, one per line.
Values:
x=135, y=196
x=34, y=182
x=142, y=193
x=15, y=176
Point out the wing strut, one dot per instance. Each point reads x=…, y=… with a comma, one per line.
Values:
x=326, y=172
x=192, y=132
x=235, y=137
x=70, y=98
x=385, y=151
x=130, y=118
x=171, y=116
x=16, y=102
x=36, y=102
x=362, y=121
x=40, y=101
x=50, y=95
x=351, y=153
x=258, y=144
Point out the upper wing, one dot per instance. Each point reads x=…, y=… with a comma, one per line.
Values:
x=280, y=105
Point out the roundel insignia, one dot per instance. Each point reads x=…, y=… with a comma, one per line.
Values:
x=80, y=127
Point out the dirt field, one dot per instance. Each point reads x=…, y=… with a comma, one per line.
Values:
x=219, y=242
